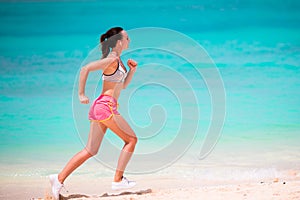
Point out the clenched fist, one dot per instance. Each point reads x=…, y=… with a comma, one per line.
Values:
x=131, y=63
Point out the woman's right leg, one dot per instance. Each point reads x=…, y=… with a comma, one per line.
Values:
x=97, y=131
x=120, y=127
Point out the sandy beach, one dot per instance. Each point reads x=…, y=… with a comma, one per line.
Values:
x=155, y=187
x=172, y=188
x=264, y=191
x=280, y=189
x=255, y=191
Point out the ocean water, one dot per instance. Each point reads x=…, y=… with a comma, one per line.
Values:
x=255, y=48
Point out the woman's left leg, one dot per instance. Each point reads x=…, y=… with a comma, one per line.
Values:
x=97, y=131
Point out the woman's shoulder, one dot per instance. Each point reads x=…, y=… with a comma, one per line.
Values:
x=112, y=64
x=101, y=64
x=109, y=61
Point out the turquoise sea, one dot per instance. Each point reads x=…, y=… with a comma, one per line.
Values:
x=254, y=44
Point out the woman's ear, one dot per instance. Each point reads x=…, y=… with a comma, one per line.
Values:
x=120, y=43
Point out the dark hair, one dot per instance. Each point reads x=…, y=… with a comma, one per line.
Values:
x=109, y=40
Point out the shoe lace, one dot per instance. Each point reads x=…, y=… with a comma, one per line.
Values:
x=124, y=178
x=65, y=189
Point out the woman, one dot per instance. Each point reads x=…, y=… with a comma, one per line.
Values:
x=103, y=112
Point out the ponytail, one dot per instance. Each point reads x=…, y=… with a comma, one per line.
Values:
x=105, y=47
x=109, y=40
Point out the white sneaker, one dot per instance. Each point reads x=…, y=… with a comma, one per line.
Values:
x=55, y=185
x=123, y=184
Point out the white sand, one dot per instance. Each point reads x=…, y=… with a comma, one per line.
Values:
x=175, y=188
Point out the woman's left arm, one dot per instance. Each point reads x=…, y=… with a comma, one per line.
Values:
x=132, y=65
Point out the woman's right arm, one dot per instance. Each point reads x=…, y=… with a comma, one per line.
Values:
x=84, y=72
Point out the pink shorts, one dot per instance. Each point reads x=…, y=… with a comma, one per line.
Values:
x=103, y=108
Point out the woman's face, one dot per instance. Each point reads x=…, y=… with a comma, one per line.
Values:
x=125, y=40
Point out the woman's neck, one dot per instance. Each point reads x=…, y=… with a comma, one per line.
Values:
x=116, y=52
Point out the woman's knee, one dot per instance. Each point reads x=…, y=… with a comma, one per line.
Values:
x=90, y=152
x=133, y=140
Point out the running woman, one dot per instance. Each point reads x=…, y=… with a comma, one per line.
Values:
x=103, y=112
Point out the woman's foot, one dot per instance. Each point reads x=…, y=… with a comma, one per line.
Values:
x=55, y=185
x=123, y=184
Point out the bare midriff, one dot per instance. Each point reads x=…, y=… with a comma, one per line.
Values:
x=112, y=89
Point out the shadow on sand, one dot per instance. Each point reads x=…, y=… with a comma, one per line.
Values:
x=75, y=196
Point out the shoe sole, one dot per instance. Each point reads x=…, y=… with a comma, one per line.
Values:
x=122, y=188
